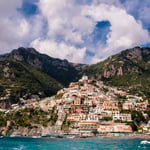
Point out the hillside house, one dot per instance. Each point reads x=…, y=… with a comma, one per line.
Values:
x=122, y=128
x=88, y=128
x=92, y=117
x=96, y=110
x=110, y=105
x=79, y=108
x=142, y=105
x=129, y=105
x=77, y=101
x=114, y=128
x=122, y=117
x=76, y=117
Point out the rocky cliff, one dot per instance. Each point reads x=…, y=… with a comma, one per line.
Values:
x=129, y=69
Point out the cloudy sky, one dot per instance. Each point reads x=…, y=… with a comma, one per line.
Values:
x=82, y=31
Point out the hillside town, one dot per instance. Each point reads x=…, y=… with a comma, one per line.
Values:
x=89, y=108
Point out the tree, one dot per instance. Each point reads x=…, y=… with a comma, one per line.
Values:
x=137, y=117
x=107, y=118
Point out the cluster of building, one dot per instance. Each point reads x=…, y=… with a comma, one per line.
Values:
x=91, y=107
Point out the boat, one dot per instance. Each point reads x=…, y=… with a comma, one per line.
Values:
x=59, y=136
x=12, y=135
x=46, y=135
x=36, y=137
x=145, y=142
x=1, y=137
x=70, y=137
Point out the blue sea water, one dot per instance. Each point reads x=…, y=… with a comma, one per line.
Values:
x=27, y=143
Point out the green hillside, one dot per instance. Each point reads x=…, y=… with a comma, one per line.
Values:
x=129, y=70
x=61, y=70
x=18, y=79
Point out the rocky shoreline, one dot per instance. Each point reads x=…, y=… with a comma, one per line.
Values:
x=51, y=132
x=76, y=136
x=20, y=131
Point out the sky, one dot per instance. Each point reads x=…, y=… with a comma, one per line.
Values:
x=81, y=31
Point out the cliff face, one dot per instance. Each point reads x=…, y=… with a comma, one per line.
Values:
x=24, y=131
x=29, y=122
x=130, y=69
x=129, y=61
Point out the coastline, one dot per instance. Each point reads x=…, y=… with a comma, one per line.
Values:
x=126, y=137
x=78, y=137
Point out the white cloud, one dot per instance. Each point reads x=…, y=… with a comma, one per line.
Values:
x=37, y=27
x=23, y=28
x=65, y=22
x=108, y=2
x=59, y=50
x=61, y=26
x=125, y=32
x=9, y=8
x=14, y=28
x=65, y=18
x=139, y=9
x=13, y=34
x=71, y=21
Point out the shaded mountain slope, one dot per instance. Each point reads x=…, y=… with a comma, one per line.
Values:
x=61, y=70
x=18, y=79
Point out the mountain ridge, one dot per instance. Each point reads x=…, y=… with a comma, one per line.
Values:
x=128, y=70
x=56, y=68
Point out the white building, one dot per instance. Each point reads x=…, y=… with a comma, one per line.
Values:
x=92, y=117
x=122, y=117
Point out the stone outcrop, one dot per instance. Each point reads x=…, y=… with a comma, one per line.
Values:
x=38, y=131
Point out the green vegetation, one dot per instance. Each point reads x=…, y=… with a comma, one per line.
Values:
x=125, y=111
x=28, y=117
x=137, y=117
x=93, y=105
x=134, y=74
x=1, y=90
x=3, y=120
x=147, y=112
x=80, y=84
x=94, y=83
x=25, y=71
x=53, y=115
x=25, y=79
x=105, y=90
x=121, y=99
x=66, y=124
x=133, y=126
x=59, y=96
x=107, y=118
x=120, y=121
x=60, y=70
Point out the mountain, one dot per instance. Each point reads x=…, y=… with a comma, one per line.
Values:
x=129, y=70
x=26, y=72
x=18, y=79
x=61, y=70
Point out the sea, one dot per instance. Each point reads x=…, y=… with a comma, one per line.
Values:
x=47, y=143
